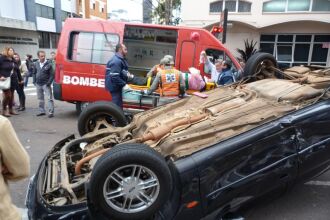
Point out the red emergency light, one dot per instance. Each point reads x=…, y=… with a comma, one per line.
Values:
x=216, y=29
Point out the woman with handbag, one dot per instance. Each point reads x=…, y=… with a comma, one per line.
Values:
x=8, y=80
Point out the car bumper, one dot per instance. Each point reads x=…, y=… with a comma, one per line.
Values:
x=38, y=207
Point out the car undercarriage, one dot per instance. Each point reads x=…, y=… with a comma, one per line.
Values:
x=184, y=127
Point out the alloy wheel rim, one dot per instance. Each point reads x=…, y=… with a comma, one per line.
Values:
x=131, y=189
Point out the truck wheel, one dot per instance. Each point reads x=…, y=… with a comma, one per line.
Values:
x=100, y=115
x=260, y=66
x=130, y=181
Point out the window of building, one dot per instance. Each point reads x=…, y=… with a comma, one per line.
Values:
x=321, y=5
x=54, y=37
x=216, y=6
x=301, y=52
x=267, y=47
x=92, y=47
x=244, y=6
x=44, y=11
x=299, y=5
x=296, y=5
x=319, y=54
x=231, y=5
x=65, y=15
x=93, y=6
x=296, y=49
x=44, y=40
x=274, y=6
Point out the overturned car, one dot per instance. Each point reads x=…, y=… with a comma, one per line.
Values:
x=197, y=157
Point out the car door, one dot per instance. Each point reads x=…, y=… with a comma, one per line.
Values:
x=246, y=166
x=313, y=131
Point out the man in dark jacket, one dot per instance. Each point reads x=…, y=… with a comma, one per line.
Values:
x=117, y=74
x=43, y=77
x=226, y=77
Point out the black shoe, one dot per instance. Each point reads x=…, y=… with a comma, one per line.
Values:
x=50, y=115
x=21, y=109
x=41, y=114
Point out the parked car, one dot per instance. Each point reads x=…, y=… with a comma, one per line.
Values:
x=194, y=158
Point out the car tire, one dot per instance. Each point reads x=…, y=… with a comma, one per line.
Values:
x=259, y=62
x=130, y=181
x=100, y=115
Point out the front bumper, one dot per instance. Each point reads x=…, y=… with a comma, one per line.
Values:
x=39, y=209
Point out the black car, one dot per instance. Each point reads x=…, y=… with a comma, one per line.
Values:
x=195, y=158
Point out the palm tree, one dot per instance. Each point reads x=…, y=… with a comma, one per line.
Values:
x=248, y=51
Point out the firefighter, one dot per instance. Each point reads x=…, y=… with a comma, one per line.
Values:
x=169, y=80
x=117, y=74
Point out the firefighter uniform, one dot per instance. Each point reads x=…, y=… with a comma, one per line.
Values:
x=169, y=81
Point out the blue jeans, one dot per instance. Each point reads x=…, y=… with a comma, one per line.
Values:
x=41, y=90
x=26, y=79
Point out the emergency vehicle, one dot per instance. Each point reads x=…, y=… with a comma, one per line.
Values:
x=85, y=46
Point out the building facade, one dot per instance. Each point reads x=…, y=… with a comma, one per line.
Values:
x=94, y=9
x=295, y=31
x=32, y=25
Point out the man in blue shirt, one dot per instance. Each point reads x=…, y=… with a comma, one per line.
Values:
x=117, y=74
x=226, y=77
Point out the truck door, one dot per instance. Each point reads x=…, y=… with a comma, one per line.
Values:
x=187, y=55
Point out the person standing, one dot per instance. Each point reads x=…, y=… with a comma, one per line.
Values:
x=43, y=78
x=117, y=74
x=8, y=68
x=14, y=166
x=20, y=87
x=30, y=67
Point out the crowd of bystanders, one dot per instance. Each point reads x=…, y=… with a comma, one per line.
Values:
x=14, y=76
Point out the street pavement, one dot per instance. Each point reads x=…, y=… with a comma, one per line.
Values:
x=38, y=134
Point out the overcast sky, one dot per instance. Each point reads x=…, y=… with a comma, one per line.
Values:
x=133, y=9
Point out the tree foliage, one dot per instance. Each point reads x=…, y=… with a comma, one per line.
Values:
x=248, y=51
x=163, y=13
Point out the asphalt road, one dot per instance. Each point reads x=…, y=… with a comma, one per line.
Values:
x=38, y=134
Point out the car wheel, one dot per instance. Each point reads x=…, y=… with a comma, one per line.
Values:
x=130, y=181
x=100, y=115
x=260, y=66
x=80, y=106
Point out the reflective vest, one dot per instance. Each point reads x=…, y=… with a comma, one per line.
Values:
x=169, y=85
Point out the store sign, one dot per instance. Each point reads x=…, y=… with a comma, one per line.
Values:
x=326, y=45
